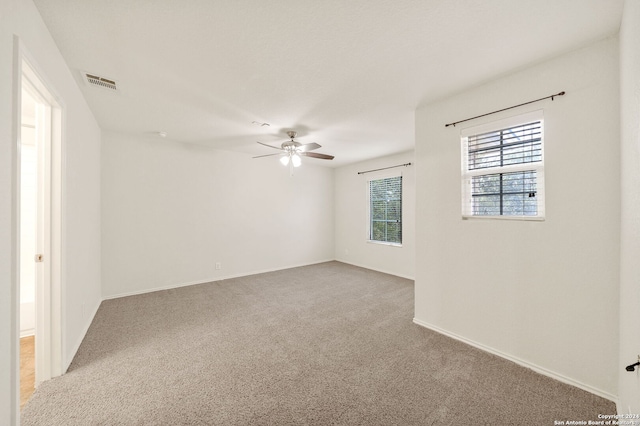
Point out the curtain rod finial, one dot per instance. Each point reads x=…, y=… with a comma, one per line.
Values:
x=559, y=94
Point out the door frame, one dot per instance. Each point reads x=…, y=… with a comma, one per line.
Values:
x=49, y=318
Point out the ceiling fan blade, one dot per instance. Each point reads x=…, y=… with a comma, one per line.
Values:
x=317, y=155
x=267, y=155
x=274, y=147
x=308, y=147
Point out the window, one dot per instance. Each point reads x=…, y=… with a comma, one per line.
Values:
x=385, y=210
x=502, y=169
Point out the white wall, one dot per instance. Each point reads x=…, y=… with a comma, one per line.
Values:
x=172, y=210
x=351, y=212
x=629, y=386
x=81, y=199
x=543, y=293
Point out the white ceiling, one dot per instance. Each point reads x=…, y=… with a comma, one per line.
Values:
x=347, y=74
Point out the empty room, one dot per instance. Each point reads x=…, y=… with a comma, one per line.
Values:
x=419, y=212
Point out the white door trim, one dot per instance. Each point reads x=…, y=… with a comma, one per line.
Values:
x=49, y=288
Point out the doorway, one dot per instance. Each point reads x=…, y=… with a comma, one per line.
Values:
x=40, y=213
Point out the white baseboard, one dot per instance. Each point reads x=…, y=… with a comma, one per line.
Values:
x=209, y=280
x=376, y=269
x=527, y=364
x=27, y=332
x=68, y=357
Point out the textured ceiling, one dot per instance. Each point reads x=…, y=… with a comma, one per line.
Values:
x=345, y=74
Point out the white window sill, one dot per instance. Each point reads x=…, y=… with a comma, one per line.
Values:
x=526, y=218
x=384, y=243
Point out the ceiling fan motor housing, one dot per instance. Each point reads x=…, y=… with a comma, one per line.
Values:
x=296, y=149
x=290, y=145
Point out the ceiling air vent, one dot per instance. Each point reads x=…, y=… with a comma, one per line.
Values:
x=101, y=82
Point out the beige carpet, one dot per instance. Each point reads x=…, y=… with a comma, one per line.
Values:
x=323, y=344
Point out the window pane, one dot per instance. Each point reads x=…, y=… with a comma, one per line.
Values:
x=505, y=194
x=500, y=191
x=513, y=145
x=378, y=231
x=519, y=205
x=486, y=184
x=394, y=232
x=378, y=210
x=385, y=210
x=377, y=190
x=394, y=210
x=486, y=205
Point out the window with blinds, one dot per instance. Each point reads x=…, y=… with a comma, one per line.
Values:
x=385, y=210
x=503, y=169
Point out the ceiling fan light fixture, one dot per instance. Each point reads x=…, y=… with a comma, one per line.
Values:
x=291, y=152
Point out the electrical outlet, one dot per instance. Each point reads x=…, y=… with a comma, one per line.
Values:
x=218, y=266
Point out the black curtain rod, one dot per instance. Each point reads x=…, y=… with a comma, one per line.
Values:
x=504, y=109
x=384, y=168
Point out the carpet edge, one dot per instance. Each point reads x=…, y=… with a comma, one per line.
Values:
x=541, y=370
x=376, y=269
x=209, y=280
x=68, y=357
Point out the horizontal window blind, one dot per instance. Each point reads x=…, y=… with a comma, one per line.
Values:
x=385, y=210
x=503, y=172
x=513, y=145
x=510, y=194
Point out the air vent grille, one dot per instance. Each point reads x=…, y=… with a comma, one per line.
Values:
x=101, y=82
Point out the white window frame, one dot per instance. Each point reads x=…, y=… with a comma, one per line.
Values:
x=380, y=176
x=467, y=175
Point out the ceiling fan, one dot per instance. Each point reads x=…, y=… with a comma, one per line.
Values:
x=292, y=151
